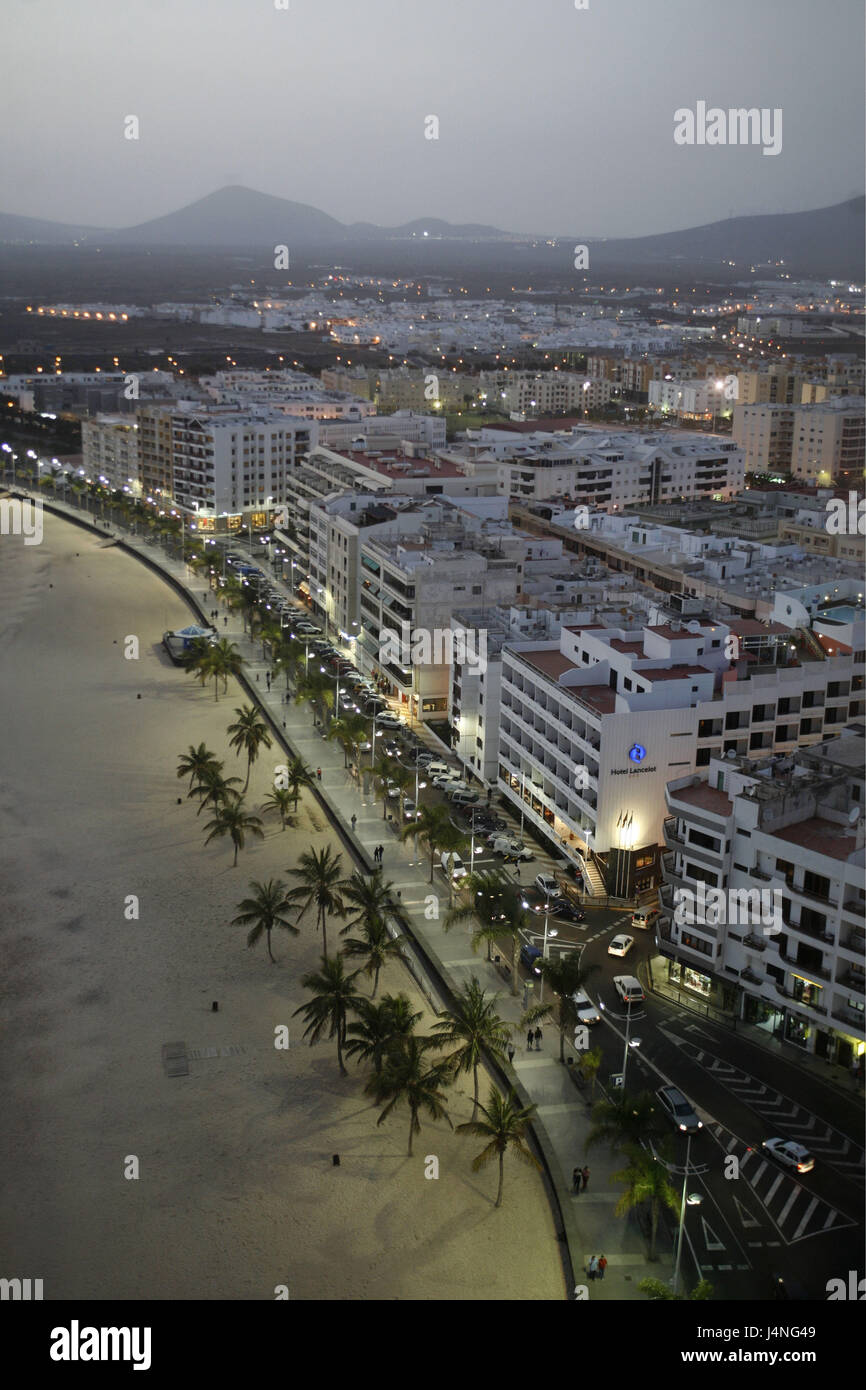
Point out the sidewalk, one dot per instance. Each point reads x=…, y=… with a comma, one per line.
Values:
x=589, y=1224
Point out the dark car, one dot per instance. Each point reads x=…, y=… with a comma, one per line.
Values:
x=570, y=912
x=529, y=956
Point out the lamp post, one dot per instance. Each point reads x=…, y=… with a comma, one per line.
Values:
x=693, y=1200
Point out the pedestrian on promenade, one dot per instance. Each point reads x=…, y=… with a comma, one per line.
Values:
x=538, y=1039
x=318, y=769
x=585, y=1176
x=575, y=1180
x=354, y=823
x=529, y=1037
x=592, y=1267
x=511, y=1053
x=517, y=869
x=225, y=620
x=268, y=679
x=602, y=1265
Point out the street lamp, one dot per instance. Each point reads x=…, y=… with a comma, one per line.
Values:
x=693, y=1199
x=548, y=930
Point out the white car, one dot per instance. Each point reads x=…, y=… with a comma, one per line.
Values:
x=447, y=779
x=629, y=989
x=789, y=1154
x=410, y=810
x=452, y=865
x=586, y=1010
x=503, y=844
x=548, y=886
x=389, y=721
x=620, y=945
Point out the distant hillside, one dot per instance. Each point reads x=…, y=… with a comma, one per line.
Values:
x=25, y=229
x=825, y=241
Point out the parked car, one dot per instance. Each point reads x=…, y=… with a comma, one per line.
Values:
x=510, y=847
x=455, y=785
x=629, y=989
x=442, y=780
x=620, y=945
x=463, y=799
x=586, y=1010
x=789, y=1154
x=529, y=956
x=410, y=810
x=548, y=885
x=678, y=1110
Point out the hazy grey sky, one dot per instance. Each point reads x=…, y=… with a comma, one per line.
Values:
x=552, y=119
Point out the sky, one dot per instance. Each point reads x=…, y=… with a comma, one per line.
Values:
x=552, y=119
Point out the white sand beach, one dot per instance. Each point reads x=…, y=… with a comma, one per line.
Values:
x=237, y=1193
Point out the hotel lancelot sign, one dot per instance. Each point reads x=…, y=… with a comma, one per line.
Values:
x=636, y=755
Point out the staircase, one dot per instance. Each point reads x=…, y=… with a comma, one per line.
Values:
x=592, y=879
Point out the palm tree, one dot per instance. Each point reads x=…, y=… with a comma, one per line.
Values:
x=226, y=661
x=429, y=826
x=231, y=819
x=338, y=732
x=197, y=660
x=566, y=976
x=475, y=1026
x=264, y=910
x=249, y=733
x=407, y=1077
x=214, y=789
x=403, y=778
x=196, y=762
x=316, y=689
x=376, y=945
x=646, y=1180
x=270, y=635
x=504, y=1127
x=384, y=773
x=367, y=896
x=334, y=995
x=379, y=1028
x=452, y=841
x=589, y=1066
x=320, y=883
x=279, y=801
x=497, y=904
x=298, y=776
x=626, y=1120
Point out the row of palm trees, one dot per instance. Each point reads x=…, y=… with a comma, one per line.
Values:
x=627, y=1123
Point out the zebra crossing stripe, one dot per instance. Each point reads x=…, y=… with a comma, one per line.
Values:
x=787, y=1207
x=774, y=1186
x=806, y=1219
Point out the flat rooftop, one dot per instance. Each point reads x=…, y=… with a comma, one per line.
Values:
x=704, y=798
x=822, y=836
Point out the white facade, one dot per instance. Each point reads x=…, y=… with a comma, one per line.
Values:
x=109, y=449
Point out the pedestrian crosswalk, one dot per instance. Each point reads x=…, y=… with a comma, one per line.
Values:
x=793, y=1209
x=785, y=1115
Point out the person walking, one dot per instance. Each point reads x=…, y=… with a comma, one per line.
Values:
x=225, y=620
x=602, y=1265
x=575, y=1181
x=592, y=1267
x=529, y=1037
x=585, y=1176
x=538, y=1039
x=354, y=823
x=318, y=769
x=268, y=679
x=511, y=1053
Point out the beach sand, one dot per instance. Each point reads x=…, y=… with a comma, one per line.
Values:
x=236, y=1192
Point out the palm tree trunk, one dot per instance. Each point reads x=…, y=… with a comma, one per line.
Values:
x=324, y=932
x=216, y=687
x=268, y=933
x=498, y=1202
x=249, y=770
x=411, y=1128
x=432, y=852
x=375, y=982
x=475, y=1098
x=343, y=1071
x=237, y=847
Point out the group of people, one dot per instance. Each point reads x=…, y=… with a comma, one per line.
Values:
x=378, y=853
x=529, y=1040
x=579, y=1179
x=596, y=1266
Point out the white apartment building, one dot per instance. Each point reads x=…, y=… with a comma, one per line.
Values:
x=109, y=449
x=689, y=398
x=286, y=391
x=594, y=726
x=232, y=468
x=592, y=468
x=544, y=393
x=794, y=825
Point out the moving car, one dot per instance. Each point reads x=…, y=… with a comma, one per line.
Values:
x=410, y=810
x=462, y=798
x=678, y=1110
x=789, y=1154
x=389, y=721
x=529, y=956
x=645, y=918
x=629, y=989
x=620, y=945
x=569, y=911
x=452, y=865
x=586, y=1010
x=548, y=885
